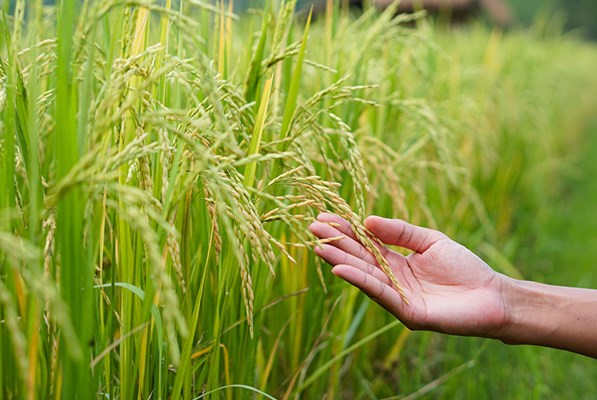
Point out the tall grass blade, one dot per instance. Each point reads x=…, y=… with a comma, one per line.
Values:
x=251, y=168
x=293, y=91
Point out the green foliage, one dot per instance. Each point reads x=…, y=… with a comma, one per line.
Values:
x=576, y=14
x=161, y=162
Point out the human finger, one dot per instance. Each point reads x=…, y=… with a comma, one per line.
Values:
x=339, y=223
x=377, y=290
x=345, y=227
x=334, y=256
x=401, y=233
x=349, y=245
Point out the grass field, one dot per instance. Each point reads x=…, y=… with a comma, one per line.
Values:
x=161, y=161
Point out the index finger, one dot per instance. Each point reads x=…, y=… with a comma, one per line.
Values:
x=339, y=223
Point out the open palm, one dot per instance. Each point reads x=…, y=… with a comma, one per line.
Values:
x=449, y=289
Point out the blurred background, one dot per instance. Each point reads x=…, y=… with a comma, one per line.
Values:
x=573, y=15
x=579, y=16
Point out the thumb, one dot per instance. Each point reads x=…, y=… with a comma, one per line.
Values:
x=400, y=233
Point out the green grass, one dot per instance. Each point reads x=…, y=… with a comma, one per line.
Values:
x=161, y=163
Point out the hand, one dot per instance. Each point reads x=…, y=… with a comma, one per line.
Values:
x=449, y=289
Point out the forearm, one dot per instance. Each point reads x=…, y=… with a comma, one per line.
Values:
x=552, y=316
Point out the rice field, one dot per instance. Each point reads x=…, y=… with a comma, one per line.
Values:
x=161, y=162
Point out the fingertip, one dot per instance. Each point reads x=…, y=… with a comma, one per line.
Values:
x=332, y=219
x=324, y=216
x=315, y=226
x=335, y=271
x=340, y=270
x=321, y=249
x=373, y=221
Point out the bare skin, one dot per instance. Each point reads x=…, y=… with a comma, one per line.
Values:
x=451, y=290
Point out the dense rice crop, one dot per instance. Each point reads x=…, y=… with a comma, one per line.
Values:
x=161, y=162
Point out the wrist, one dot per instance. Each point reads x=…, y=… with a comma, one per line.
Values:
x=552, y=316
x=524, y=309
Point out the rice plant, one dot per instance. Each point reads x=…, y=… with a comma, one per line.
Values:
x=162, y=160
